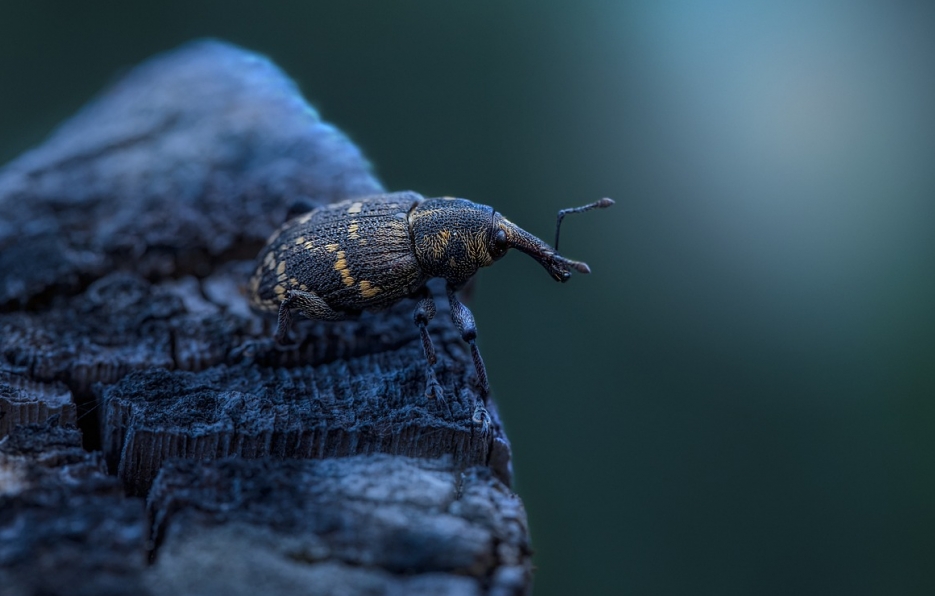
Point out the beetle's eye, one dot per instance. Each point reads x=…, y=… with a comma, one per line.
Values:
x=500, y=243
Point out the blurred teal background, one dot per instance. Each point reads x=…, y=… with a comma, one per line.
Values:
x=739, y=400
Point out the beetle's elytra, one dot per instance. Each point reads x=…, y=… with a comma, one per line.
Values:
x=338, y=260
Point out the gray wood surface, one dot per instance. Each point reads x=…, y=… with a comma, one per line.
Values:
x=65, y=525
x=362, y=524
x=125, y=244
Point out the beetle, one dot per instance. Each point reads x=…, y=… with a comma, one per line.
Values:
x=337, y=260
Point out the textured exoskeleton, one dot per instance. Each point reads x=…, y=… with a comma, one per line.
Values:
x=337, y=260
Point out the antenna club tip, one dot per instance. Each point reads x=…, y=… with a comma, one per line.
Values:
x=582, y=268
x=605, y=202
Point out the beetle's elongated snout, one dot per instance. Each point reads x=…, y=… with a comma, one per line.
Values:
x=558, y=266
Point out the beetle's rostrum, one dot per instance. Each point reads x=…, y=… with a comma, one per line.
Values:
x=338, y=260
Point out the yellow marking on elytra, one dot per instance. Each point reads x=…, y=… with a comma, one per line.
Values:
x=281, y=269
x=352, y=231
x=304, y=218
x=362, y=241
x=308, y=245
x=332, y=247
x=293, y=281
x=300, y=240
x=355, y=207
x=368, y=291
x=280, y=291
x=341, y=267
x=269, y=261
x=303, y=287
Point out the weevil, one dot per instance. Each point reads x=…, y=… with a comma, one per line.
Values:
x=338, y=260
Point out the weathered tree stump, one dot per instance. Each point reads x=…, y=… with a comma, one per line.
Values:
x=125, y=243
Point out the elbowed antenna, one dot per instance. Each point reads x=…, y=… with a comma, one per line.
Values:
x=602, y=204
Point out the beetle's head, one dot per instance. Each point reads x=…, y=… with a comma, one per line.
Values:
x=455, y=237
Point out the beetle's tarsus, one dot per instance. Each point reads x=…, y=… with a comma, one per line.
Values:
x=481, y=417
x=433, y=389
x=435, y=395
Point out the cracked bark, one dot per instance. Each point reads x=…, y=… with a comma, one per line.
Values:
x=125, y=242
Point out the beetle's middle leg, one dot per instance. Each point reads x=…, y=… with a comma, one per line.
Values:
x=425, y=312
x=309, y=304
x=464, y=320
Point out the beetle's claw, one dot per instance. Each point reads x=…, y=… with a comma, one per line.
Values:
x=480, y=417
x=435, y=393
x=433, y=389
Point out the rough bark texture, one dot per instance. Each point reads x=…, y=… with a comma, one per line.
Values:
x=125, y=243
x=65, y=526
x=377, y=523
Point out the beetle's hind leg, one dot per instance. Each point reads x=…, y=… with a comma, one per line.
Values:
x=464, y=320
x=309, y=304
x=425, y=312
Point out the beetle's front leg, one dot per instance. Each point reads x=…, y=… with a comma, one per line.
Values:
x=464, y=320
x=425, y=312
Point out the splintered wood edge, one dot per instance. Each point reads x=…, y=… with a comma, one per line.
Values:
x=25, y=401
